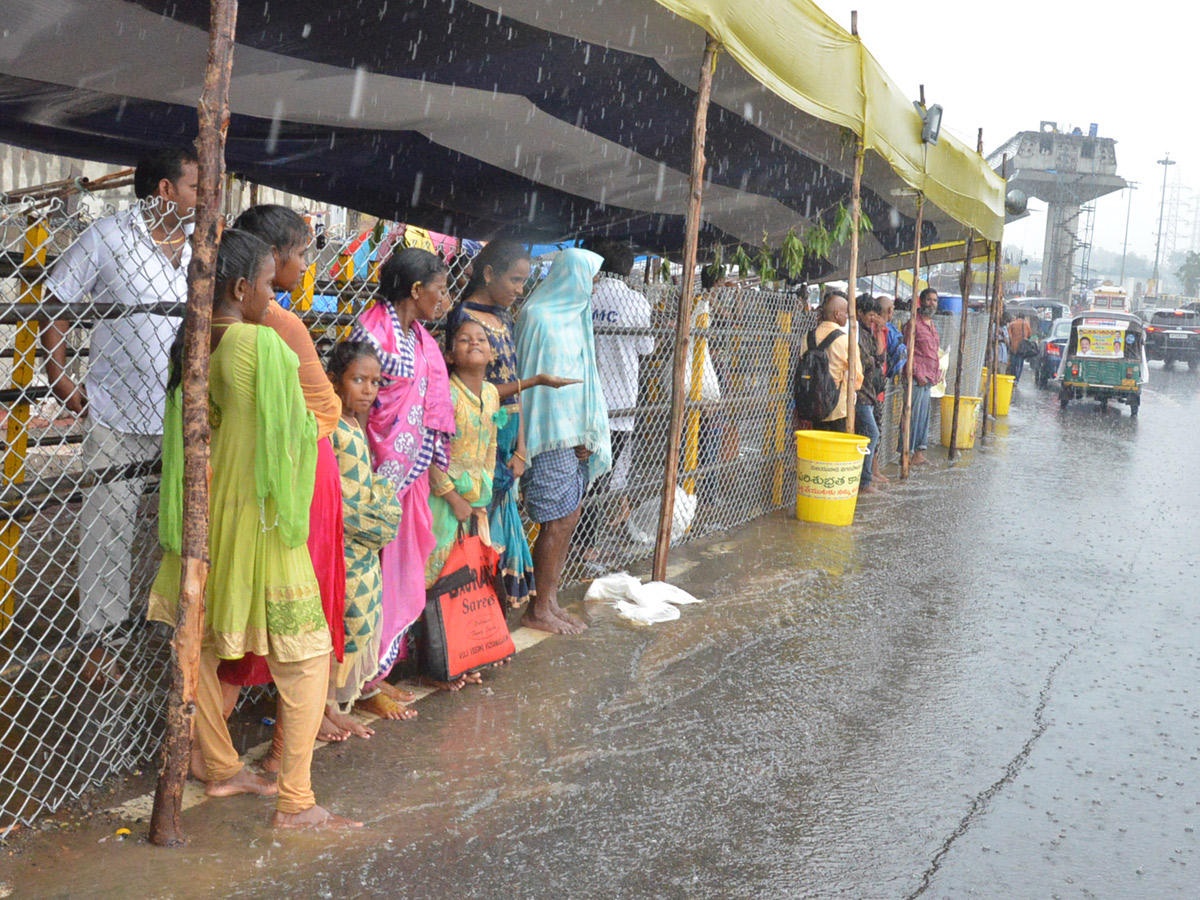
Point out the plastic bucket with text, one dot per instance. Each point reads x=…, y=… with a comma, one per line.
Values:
x=828, y=467
x=968, y=420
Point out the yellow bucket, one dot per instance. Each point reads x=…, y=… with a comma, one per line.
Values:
x=1002, y=389
x=983, y=380
x=968, y=420
x=828, y=466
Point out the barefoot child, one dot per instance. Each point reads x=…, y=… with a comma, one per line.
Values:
x=465, y=489
x=371, y=517
x=262, y=595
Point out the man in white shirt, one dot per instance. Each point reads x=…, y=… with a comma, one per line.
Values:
x=615, y=305
x=135, y=258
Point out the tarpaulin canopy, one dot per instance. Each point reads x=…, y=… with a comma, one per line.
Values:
x=550, y=119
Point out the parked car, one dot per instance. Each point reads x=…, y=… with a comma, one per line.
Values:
x=1050, y=352
x=1174, y=334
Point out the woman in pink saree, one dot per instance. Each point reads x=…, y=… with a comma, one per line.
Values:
x=408, y=429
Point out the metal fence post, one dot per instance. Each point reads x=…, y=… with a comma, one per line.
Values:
x=345, y=293
x=777, y=421
x=302, y=296
x=691, y=459
x=33, y=259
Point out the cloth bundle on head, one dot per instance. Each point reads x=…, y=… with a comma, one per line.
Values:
x=554, y=336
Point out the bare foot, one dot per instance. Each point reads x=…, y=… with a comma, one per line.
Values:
x=349, y=723
x=398, y=694
x=313, y=817
x=244, y=782
x=918, y=459
x=475, y=677
x=457, y=685
x=544, y=620
x=868, y=489
x=385, y=707
x=331, y=733
x=570, y=618
x=881, y=478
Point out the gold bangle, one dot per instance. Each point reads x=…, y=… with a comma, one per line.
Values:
x=520, y=457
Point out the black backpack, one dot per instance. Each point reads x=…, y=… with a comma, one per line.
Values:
x=813, y=388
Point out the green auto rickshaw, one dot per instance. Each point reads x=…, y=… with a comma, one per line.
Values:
x=1105, y=359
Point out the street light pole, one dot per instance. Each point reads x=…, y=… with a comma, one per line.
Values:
x=1132, y=186
x=1165, y=163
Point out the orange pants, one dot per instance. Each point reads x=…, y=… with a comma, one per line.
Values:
x=301, y=686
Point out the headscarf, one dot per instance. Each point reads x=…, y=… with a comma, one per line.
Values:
x=554, y=337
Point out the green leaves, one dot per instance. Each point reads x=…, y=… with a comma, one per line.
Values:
x=742, y=260
x=792, y=254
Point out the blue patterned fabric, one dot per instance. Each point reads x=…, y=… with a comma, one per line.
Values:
x=554, y=484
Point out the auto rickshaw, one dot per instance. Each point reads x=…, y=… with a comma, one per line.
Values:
x=1105, y=359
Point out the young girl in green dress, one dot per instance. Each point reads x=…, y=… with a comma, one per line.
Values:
x=371, y=516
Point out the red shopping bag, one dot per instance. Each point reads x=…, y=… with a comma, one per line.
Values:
x=464, y=618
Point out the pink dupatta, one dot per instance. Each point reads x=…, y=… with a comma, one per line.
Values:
x=405, y=410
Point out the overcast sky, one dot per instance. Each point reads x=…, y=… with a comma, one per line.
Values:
x=1131, y=68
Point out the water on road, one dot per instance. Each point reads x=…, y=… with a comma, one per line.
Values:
x=983, y=688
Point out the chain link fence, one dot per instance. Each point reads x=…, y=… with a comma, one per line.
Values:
x=82, y=674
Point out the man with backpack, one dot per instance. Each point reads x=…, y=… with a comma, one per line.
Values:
x=819, y=386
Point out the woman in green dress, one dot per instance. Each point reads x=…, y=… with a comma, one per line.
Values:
x=262, y=595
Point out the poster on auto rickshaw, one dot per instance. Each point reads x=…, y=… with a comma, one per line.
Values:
x=1101, y=339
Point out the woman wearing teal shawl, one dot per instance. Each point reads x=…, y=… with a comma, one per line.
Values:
x=566, y=430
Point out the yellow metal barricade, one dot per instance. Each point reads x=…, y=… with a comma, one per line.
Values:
x=691, y=443
x=37, y=239
x=777, y=430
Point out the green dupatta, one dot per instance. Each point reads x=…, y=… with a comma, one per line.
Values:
x=285, y=449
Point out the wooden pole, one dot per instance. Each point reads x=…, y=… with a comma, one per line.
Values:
x=852, y=283
x=166, y=829
x=683, y=322
x=987, y=350
x=962, y=331
x=993, y=334
x=962, y=345
x=906, y=415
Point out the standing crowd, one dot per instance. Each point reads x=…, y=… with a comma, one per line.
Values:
x=884, y=352
x=336, y=491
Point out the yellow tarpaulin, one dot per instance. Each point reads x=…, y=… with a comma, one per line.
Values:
x=800, y=54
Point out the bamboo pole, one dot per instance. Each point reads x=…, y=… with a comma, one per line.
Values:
x=986, y=387
x=993, y=332
x=852, y=284
x=906, y=415
x=962, y=330
x=166, y=829
x=683, y=322
x=962, y=345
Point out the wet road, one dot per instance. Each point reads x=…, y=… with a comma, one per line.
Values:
x=984, y=688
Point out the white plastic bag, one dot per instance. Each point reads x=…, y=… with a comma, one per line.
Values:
x=649, y=603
